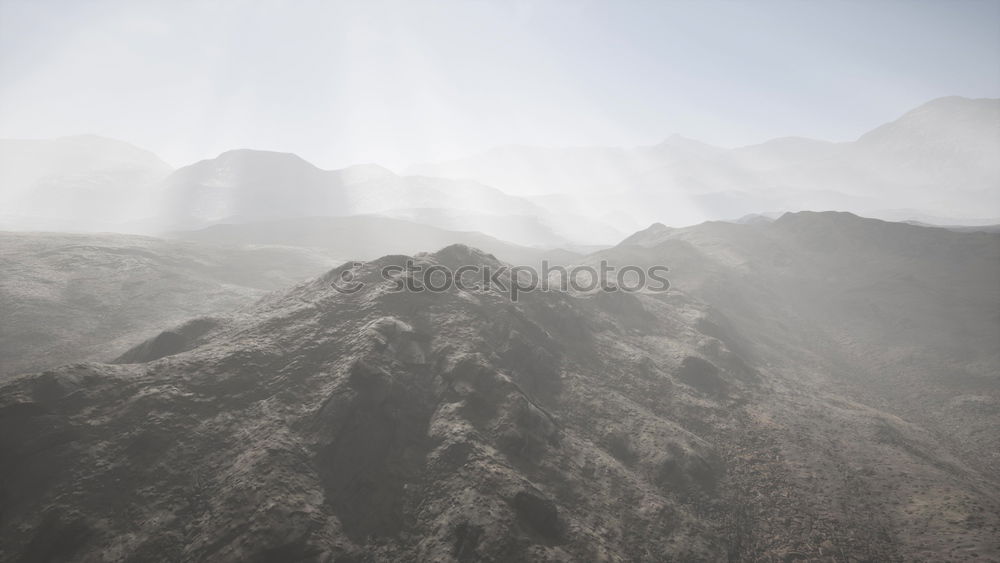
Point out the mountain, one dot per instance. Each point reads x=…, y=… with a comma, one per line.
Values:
x=365, y=237
x=819, y=387
x=248, y=185
x=259, y=185
x=75, y=183
x=963, y=129
x=73, y=297
x=938, y=159
x=648, y=236
x=900, y=316
x=961, y=228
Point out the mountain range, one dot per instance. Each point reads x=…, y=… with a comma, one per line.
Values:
x=821, y=387
x=87, y=296
x=939, y=158
x=935, y=163
x=813, y=385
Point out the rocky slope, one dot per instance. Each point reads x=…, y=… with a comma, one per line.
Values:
x=72, y=297
x=897, y=318
x=729, y=418
x=903, y=317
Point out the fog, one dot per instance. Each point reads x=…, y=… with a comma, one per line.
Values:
x=499, y=281
x=935, y=163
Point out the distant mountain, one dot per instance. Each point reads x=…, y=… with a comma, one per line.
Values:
x=75, y=297
x=75, y=183
x=249, y=185
x=89, y=183
x=907, y=215
x=755, y=219
x=823, y=387
x=937, y=159
x=965, y=130
x=365, y=237
x=649, y=236
x=960, y=228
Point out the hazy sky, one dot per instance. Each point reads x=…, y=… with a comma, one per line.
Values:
x=397, y=82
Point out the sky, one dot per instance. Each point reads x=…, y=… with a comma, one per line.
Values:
x=398, y=82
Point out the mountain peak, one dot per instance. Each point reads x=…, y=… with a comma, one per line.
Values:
x=955, y=120
x=455, y=255
x=951, y=101
x=953, y=107
x=263, y=156
x=648, y=236
x=792, y=217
